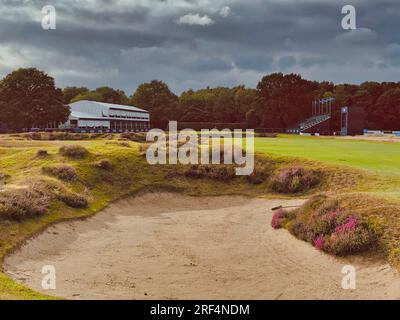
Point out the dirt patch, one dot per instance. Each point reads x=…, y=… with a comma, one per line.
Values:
x=168, y=246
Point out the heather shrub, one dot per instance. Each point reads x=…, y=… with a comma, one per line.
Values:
x=350, y=237
x=104, y=164
x=258, y=175
x=74, y=200
x=63, y=136
x=331, y=228
x=42, y=153
x=134, y=136
x=61, y=171
x=21, y=204
x=75, y=151
x=34, y=136
x=278, y=218
x=294, y=180
x=215, y=172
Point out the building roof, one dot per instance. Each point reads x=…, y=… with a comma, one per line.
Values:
x=94, y=110
x=99, y=109
x=118, y=106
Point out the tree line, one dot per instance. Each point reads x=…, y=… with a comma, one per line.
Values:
x=29, y=96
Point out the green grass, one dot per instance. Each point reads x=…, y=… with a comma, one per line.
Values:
x=379, y=160
x=377, y=157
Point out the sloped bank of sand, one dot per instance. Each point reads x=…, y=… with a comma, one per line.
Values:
x=169, y=246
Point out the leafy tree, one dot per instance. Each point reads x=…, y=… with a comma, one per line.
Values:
x=222, y=105
x=387, y=112
x=284, y=100
x=29, y=97
x=252, y=119
x=157, y=98
x=70, y=93
x=104, y=94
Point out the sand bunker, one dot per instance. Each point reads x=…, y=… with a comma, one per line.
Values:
x=168, y=246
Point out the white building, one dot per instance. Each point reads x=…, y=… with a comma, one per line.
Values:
x=90, y=116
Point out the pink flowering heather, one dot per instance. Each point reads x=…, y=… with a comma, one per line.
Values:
x=334, y=214
x=349, y=226
x=319, y=242
x=277, y=217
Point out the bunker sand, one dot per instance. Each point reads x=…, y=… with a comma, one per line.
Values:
x=169, y=246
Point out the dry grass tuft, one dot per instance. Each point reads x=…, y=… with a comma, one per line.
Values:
x=74, y=152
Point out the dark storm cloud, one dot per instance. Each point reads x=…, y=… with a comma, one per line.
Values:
x=123, y=43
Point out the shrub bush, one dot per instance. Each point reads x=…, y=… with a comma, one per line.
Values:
x=331, y=228
x=64, y=136
x=278, y=218
x=104, y=164
x=20, y=204
x=62, y=172
x=74, y=200
x=215, y=172
x=75, y=152
x=42, y=153
x=34, y=136
x=259, y=175
x=134, y=136
x=294, y=180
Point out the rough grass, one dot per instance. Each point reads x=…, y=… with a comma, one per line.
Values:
x=62, y=136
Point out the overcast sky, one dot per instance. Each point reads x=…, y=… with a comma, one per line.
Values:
x=199, y=43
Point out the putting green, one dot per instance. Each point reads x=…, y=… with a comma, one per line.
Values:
x=376, y=156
